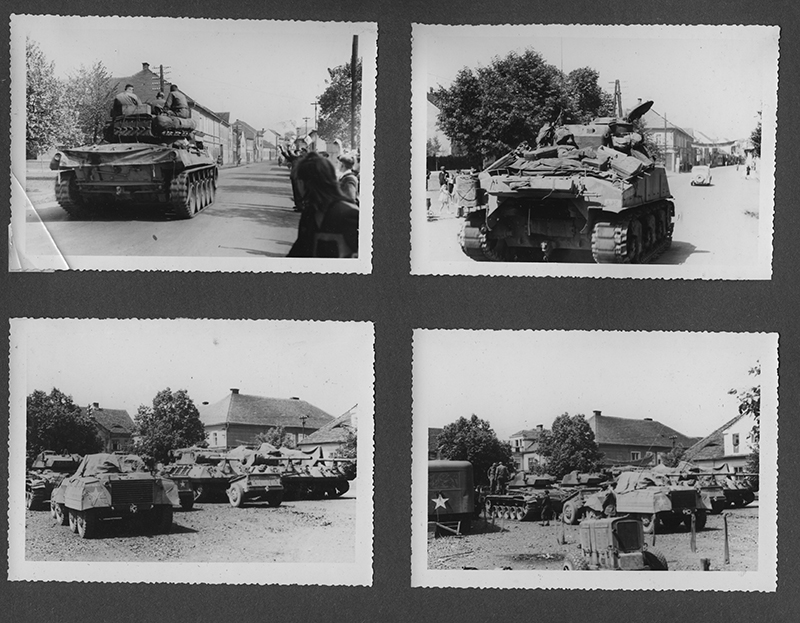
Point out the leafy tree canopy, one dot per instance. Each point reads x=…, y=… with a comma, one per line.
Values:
x=334, y=105
x=56, y=423
x=349, y=447
x=172, y=422
x=490, y=110
x=750, y=404
x=474, y=440
x=89, y=93
x=569, y=445
x=755, y=136
x=277, y=437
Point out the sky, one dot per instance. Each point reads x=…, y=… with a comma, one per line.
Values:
x=122, y=364
x=266, y=73
x=519, y=379
x=713, y=79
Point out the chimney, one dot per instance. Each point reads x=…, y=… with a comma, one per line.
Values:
x=540, y=427
x=96, y=405
x=145, y=66
x=295, y=398
x=597, y=413
x=648, y=419
x=234, y=390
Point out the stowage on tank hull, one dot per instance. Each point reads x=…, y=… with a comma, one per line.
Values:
x=104, y=487
x=139, y=164
x=585, y=188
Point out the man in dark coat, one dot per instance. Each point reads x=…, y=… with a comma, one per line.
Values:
x=124, y=98
x=177, y=104
x=501, y=475
x=348, y=182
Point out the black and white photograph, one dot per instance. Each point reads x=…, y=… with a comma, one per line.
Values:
x=145, y=143
x=193, y=451
x=580, y=150
x=589, y=459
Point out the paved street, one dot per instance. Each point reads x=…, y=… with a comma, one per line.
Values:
x=715, y=224
x=251, y=216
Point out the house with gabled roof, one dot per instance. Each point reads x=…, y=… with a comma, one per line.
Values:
x=628, y=441
x=328, y=439
x=730, y=445
x=433, y=443
x=114, y=427
x=238, y=418
x=525, y=448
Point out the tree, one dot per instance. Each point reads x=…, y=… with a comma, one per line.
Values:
x=278, y=437
x=755, y=137
x=56, y=423
x=589, y=100
x=473, y=440
x=569, y=445
x=750, y=405
x=334, y=105
x=48, y=119
x=349, y=447
x=433, y=147
x=90, y=93
x=172, y=422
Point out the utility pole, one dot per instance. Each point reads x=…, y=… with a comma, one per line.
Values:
x=306, y=120
x=665, y=140
x=618, y=98
x=161, y=78
x=353, y=63
x=315, y=104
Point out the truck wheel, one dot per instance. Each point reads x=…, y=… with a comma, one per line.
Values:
x=235, y=495
x=87, y=524
x=62, y=514
x=655, y=560
x=569, y=514
x=576, y=562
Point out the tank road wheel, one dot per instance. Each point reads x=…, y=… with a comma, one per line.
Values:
x=655, y=560
x=67, y=194
x=493, y=249
x=488, y=509
x=275, y=498
x=180, y=196
x=73, y=520
x=576, y=562
x=633, y=242
x=520, y=513
x=235, y=495
x=87, y=524
x=62, y=514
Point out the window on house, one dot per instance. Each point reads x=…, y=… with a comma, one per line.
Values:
x=735, y=440
x=531, y=464
x=635, y=456
x=213, y=439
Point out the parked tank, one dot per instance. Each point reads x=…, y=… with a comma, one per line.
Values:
x=45, y=474
x=589, y=187
x=577, y=489
x=304, y=476
x=105, y=486
x=651, y=497
x=525, y=498
x=202, y=475
x=614, y=543
x=738, y=491
x=145, y=159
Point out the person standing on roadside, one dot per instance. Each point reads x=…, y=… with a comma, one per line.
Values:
x=501, y=477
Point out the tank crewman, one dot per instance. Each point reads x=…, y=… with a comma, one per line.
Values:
x=491, y=475
x=124, y=98
x=348, y=182
x=501, y=476
x=177, y=104
x=159, y=103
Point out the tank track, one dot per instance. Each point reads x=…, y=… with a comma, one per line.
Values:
x=190, y=192
x=511, y=508
x=66, y=196
x=622, y=242
x=490, y=250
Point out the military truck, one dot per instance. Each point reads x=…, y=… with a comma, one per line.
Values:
x=106, y=486
x=584, y=189
x=45, y=474
x=259, y=482
x=614, y=543
x=451, y=496
x=144, y=159
x=578, y=488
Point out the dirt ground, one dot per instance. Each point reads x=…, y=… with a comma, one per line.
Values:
x=296, y=531
x=508, y=544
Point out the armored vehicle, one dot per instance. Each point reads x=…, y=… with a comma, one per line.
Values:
x=202, y=475
x=651, y=497
x=304, y=476
x=451, y=496
x=614, y=543
x=578, y=488
x=526, y=497
x=105, y=486
x=258, y=481
x=145, y=159
x=45, y=474
x=584, y=188
x=738, y=492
